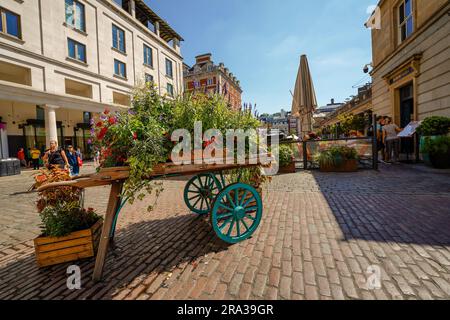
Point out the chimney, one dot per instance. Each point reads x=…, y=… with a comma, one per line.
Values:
x=203, y=58
x=332, y=101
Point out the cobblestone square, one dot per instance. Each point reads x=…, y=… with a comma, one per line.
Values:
x=319, y=236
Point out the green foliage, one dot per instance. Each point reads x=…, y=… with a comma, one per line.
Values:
x=437, y=146
x=434, y=126
x=336, y=156
x=349, y=122
x=66, y=217
x=286, y=155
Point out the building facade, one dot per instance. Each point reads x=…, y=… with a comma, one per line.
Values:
x=411, y=60
x=206, y=77
x=63, y=61
x=323, y=112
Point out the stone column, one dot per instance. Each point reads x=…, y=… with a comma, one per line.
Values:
x=157, y=28
x=133, y=8
x=176, y=45
x=51, y=131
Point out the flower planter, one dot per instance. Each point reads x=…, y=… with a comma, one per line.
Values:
x=440, y=161
x=77, y=245
x=288, y=169
x=347, y=166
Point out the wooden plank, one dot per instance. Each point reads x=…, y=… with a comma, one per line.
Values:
x=113, y=203
x=63, y=244
x=63, y=259
x=65, y=251
x=73, y=235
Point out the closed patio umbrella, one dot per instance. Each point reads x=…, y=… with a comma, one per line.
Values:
x=304, y=100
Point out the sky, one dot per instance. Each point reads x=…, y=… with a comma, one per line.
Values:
x=261, y=42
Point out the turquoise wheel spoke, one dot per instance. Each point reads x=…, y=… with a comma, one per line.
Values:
x=225, y=216
x=231, y=200
x=196, y=202
x=231, y=227
x=250, y=217
x=236, y=197
x=251, y=209
x=248, y=201
x=195, y=197
x=222, y=205
x=245, y=225
x=238, y=230
x=243, y=197
x=227, y=222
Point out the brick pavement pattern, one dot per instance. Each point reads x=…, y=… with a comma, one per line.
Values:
x=319, y=235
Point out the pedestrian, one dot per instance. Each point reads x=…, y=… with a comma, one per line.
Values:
x=35, y=155
x=379, y=132
x=28, y=157
x=21, y=157
x=74, y=161
x=80, y=155
x=391, y=140
x=55, y=157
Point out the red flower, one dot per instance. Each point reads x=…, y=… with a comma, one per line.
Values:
x=135, y=136
x=99, y=124
x=102, y=133
x=106, y=111
x=112, y=120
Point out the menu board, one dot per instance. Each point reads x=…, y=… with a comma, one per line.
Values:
x=410, y=129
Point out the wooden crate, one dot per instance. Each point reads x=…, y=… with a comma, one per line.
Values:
x=347, y=166
x=77, y=245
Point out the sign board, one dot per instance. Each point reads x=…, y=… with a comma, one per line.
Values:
x=410, y=129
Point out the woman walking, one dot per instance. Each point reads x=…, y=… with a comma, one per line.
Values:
x=55, y=157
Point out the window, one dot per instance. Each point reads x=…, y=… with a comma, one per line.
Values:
x=76, y=50
x=118, y=36
x=170, y=89
x=75, y=15
x=210, y=82
x=40, y=113
x=10, y=23
x=406, y=20
x=196, y=84
x=120, y=69
x=169, y=68
x=148, y=56
x=148, y=78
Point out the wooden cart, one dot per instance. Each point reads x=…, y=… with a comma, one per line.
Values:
x=235, y=209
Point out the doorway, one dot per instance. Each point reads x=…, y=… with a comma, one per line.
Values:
x=407, y=115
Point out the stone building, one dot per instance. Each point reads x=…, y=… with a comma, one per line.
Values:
x=61, y=61
x=411, y=59
x=206, y=77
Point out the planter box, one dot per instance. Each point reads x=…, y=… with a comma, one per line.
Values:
x=288, y=169
x=77, y=245
x=347, y=166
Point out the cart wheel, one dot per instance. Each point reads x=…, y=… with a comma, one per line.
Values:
x=236, y=213
x=200, y=191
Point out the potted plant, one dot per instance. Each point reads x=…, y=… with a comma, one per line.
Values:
x=286, y=160
x=338, y=159
x=432, y=128
x=438, y=149
x=69, y=232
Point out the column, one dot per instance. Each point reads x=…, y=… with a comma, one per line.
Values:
x=132, y=8
x=51, y=130
x=157, y=28
x=176, y=44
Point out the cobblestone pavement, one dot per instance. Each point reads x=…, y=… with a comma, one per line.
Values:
x=319, y=235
